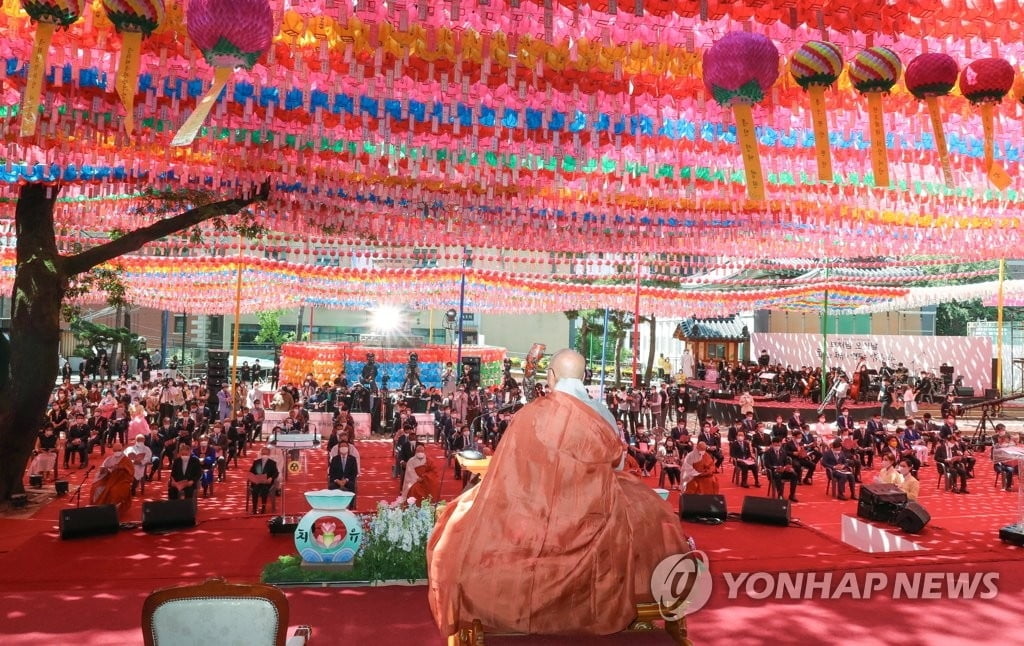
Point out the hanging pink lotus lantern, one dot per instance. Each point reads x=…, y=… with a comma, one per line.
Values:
x=984, y=83
x=230, y=33
x=738, y=70
x=48, y=16
x=134, y=20
x=928, y=77
x=815, y=66
x=873, y=72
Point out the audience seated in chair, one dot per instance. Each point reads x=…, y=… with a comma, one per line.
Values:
x=262, y=475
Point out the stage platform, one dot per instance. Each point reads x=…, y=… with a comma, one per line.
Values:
x=98, y=584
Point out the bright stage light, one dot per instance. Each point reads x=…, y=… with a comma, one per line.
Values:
x=385, y=318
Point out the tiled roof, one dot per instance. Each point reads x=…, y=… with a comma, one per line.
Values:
x=731, y=329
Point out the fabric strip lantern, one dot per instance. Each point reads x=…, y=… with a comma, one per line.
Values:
x=873, y=72
x=230, y=33
x=134, y=20
x=738, y=70
x=984, y=83
x=48, y=16
x=815, y=66
x=928, y=77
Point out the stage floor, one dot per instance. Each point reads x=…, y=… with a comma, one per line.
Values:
x=89, y=591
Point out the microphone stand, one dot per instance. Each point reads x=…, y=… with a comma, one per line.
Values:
x=78, y=492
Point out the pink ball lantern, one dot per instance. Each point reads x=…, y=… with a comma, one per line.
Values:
x=230, y=33
x=984, y=83
x=739, y=69
x=928, y=77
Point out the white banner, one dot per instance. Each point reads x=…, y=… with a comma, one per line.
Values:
x=971, y=357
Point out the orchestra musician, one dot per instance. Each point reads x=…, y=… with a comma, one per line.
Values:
x=780, y=469
x=863, y=379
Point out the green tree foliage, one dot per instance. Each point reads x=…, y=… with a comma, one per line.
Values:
x=92, y=336
x=270, y=329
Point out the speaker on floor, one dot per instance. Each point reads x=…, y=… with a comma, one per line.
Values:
x=991, y=393
x=158, y=515
x=700, y=507
x=965, y=392
x=88, y=521
x=61, y=487
x=766, y=511
x=913, y=518
x=782, y=397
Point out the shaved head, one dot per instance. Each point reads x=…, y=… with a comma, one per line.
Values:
x=566, y=364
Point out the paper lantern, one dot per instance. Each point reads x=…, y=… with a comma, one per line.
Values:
x=134, y=20
x=48, y=16
x=873, y=72
x=230, y=34
x=738, y=70
x=985, y=82
x=928, y=77
x=815, y=66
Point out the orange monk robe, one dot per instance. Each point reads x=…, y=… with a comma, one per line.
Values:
x=115, y=488
x=705, y=481
x=428, y=484
x=553, y=540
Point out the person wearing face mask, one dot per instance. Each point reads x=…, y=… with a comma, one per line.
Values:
x=699, y=471
x=262, y=476
x=421, y=477
x=910, y=485
x=114, y=481
x=343, y=471
x=141, y=456
x=45, y=460
x=186, y=471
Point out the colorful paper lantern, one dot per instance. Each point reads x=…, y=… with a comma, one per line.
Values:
x=134, y=20
x=873, y=72
x=48, y=16
x=230, y=33
x=984, y=83
x=738, y=70
x=815, y=66
x=928, y=77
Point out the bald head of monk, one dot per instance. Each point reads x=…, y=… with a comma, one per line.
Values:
x=566, y=364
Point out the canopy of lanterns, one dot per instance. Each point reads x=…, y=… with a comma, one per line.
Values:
x=660, y=133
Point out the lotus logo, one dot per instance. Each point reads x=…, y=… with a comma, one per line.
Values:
x=681, y=584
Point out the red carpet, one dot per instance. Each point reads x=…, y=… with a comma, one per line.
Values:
x=90, y=591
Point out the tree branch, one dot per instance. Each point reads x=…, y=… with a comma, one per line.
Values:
x=86, y=260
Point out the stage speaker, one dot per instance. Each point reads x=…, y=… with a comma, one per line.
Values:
x=61, y=487
x=965, y=392
x=698, y=507
x=158, y=515
x=991, y=393
x=88, y=521
x=766, y=511
x=782, y=397
x=417, y=404
x=35, y=481
x=912, y=518
x=216, y=369
x=756, y=392
x=19, y=500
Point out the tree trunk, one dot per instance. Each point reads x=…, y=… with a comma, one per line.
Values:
x=620, y=336
x=39, y=286
x=652, y=322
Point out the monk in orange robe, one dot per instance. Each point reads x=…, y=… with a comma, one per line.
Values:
x=422, y=479
x=113, y=485
x=556, y=539
x=699, y=471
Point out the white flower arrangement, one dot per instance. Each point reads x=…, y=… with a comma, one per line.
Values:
x=396, y=540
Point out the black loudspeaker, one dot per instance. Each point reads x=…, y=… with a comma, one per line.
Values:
x=35, y=481
x=991, y=393
x=216, y=369
x=88, y=521
x=756, y=392
x=19, y=501
x=698, y=507
x=767, y=511
x=417, y=404
x=158, y=515
x=61, y=487
x=965, y=392
x=783, y=397
x=913, y=518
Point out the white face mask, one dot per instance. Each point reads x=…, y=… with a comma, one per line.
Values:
x=118, y=454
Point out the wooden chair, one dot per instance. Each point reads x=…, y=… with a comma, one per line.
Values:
x=226, y=613
x=646, y=615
